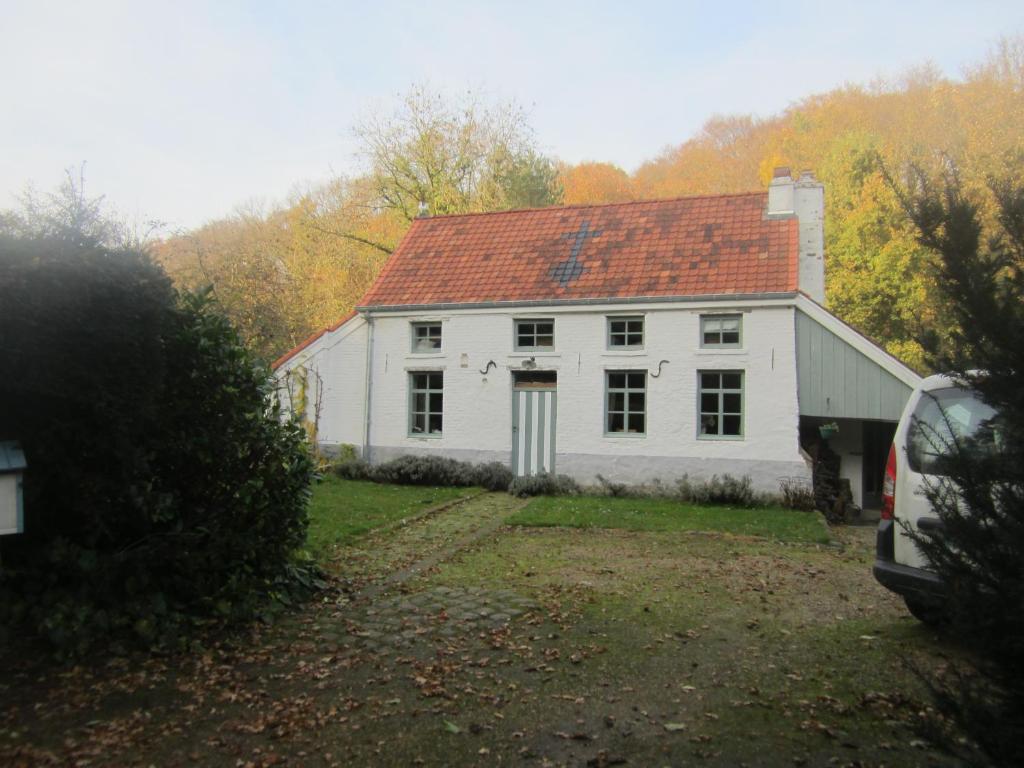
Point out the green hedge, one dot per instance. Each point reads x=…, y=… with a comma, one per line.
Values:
x=163, y=489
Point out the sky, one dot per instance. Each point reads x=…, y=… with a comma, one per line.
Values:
x=182, y=111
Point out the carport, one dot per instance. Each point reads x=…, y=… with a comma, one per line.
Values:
x=851, y=394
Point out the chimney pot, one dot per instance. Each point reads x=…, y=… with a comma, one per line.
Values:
x=781, y=171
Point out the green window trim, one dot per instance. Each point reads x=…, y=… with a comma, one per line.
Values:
x=426, y=337
x=720, y=405
x=534, y=334
x=721, y=331
x=426, y=403
x=625, y=403
x=625, y=332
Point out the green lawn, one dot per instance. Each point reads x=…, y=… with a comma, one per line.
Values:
x=342, y=510
x=668, y=515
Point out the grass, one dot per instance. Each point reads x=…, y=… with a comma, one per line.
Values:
x=667, y=515
x=647, y=646
x=769, y=653
x=343, y=510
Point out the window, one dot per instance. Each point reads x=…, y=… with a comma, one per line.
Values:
x=426, y=337
x=535, y=334
x=625, y=332
x=720, y=330
x=721, y=403
x=949, y=420
x=627, y=402
x=426, y=403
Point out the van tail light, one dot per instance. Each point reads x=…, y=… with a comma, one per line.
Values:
x=889, y=485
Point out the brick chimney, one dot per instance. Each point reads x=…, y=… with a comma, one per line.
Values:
x=805, y=199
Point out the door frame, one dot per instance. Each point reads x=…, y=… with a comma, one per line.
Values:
x=547, y=441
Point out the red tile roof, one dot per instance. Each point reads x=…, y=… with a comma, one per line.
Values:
x=309, y=340
x=695, y=246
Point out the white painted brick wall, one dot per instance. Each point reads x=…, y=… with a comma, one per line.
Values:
x=340, y=359
x=478, y=408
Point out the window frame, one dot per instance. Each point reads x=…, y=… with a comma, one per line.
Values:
x=705, y=319
x=414, y=339
x=721, y=391
x=535, y=321
x=626, y=333
x=427, y=391
x=626, y=391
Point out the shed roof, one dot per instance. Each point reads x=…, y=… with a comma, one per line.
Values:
x=12, y=459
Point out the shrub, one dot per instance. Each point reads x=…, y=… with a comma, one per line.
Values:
x=613, y=489
x=796, y=493
x=427, y=470
x=494, y=476
x=424, y=470
x=724, y=490
x=346, y=452
x=543, y=484
x=163, y=488
x=353, y=469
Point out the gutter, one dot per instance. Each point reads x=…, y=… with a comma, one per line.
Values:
x=577, y=302
x=368, y=390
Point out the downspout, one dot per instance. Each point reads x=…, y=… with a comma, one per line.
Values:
x=367, y=398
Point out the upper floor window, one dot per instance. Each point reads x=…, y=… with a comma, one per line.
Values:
x=721, y=330
x=535, y=334
x=426, y=337
x=625, y=332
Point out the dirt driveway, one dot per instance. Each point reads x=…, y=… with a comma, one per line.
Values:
x=458, y=641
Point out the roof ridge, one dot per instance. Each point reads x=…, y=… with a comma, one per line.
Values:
x=578, y=206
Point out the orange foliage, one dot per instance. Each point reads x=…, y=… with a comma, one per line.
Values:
x=595, y=183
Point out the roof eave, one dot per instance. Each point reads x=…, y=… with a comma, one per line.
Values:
x=513, y=304
x=310, y=340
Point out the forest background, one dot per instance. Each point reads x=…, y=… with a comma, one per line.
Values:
x=285, y=272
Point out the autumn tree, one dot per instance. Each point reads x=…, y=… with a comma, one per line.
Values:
x=454, y=157
x=595, y=183
x=282, y=273
x=876, y=270
x=727, y=155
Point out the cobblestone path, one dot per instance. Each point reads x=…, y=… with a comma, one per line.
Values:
x=383, y=560
x=393, y=608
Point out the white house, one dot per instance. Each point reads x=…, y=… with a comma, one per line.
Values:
x=636, y=340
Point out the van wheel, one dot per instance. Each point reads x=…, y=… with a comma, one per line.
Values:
x=926, y=611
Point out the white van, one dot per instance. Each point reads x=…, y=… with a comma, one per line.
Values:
x=938, y=412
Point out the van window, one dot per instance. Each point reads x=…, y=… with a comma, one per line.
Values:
x=944, y=418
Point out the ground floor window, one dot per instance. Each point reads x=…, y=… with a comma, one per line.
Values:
x=426, y=402
x=626, y=411
x=721, y=403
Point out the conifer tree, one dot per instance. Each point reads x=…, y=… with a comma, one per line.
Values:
x=978, y=490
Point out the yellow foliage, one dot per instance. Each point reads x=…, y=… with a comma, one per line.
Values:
x=595, y=183
x=877, y=276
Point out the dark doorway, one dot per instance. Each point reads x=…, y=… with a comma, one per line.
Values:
x=877, y=440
